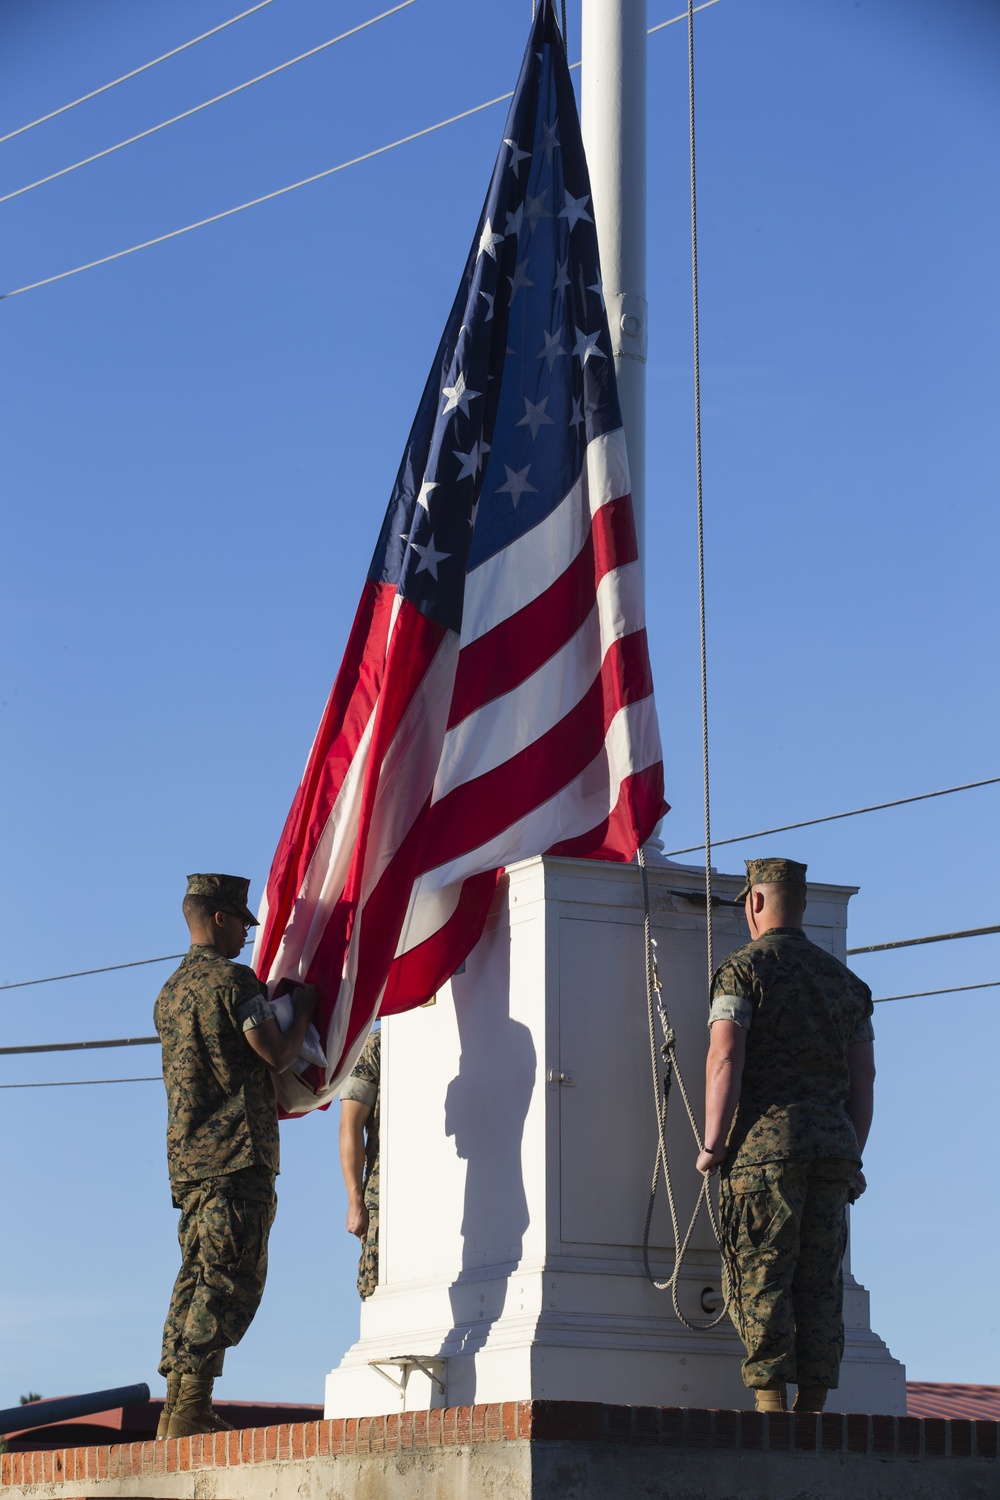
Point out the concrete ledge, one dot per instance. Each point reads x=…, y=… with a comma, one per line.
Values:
x=534, y=1448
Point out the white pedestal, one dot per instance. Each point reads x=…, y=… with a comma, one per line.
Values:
x=518, y=1141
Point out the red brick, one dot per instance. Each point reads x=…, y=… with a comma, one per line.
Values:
x=364, y=1438
x=270, y=1443
x=857, y=1433
x=285, y=1440
x=376, y=1435
x=351, y=1435
x=59, y=1465
x=420, y=1429
x=477, y=1424
x=727, y=1429
x=618, y=1423
x=103, y=1468
x=779, y=1431
x=751, y=1429
x=333, y=1436
x=831, y=1432
x=434, y=1426
x=699, y=1428
x=961, y=1438
x=883, y=1434
x=805, y=1431
x=647, y=1424
x=986, y=1438
x=449, y=1426
x=525, y=1419
x=909, y=1435
x=934, y=1437
x=463, y=1424
x=494, y=1431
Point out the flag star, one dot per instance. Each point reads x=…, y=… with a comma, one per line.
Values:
x=550, y=139
x=535, y=415
x=472, y=461
x=574, y=210
x=535, y=210
x=489, y=303
x=429, y=558
x=562, y=276
x=517, y=484
x=514, y=220
x=424, y=496
x=598, y=287
x=517, y=156
x=576, y=420
x=458, y=396
x=488, y=241
x=519, y=279
x=553, y=347
x=586, y=345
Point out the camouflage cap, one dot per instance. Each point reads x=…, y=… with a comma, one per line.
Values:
x=769, y=871
x=230, y=891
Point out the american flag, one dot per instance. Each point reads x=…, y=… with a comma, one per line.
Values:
x=495, y=700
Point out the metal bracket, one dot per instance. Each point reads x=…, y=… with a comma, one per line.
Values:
x=566, y=1080
x=406, y=1363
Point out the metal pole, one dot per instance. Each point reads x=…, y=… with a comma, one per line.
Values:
x=45, y=1413
x=613, y=117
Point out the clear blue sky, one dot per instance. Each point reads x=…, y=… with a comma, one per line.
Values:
x=198, y=445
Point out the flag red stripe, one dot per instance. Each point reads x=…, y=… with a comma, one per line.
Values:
x=484, y=806
x=536, y=632
x=416, y=975
x=347, y=712
x=640, y=806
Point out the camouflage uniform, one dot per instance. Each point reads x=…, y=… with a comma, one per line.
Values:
x=792, y=1153
x=222, y=1154
x=363, y=1085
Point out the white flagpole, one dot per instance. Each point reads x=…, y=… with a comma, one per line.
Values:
x=613, y=117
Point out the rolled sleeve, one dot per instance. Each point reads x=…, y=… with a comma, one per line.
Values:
x=864, y=1031
x=731, y=1008
x=253, y=1012
x=362, y=1090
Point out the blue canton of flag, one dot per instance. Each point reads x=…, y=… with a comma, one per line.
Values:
x=495, y=699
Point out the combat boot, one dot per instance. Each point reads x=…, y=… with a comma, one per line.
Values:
x=771, y=1398
x=810, y=1398
x=173, y=1387
x=193, y=1409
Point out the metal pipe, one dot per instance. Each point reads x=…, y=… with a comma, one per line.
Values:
x=613, y=118
x=45, y=1413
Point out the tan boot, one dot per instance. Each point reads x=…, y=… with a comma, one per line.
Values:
x=173, y=1387
x=810, y=1398
x=772, y=1398
x=193, y=1409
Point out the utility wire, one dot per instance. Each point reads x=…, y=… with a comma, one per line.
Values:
x=134, y=73
x=79, y=1083
x=197, y=108
x=832, y=817
x=20, y=984
x=954, y=989
x=940, y=937
x=292, y=186
x=122, y=1041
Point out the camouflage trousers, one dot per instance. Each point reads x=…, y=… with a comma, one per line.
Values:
x=368, y=1264
x=223, y=1231
x=784, y=1228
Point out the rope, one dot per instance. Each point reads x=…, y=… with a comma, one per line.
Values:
x=124, y=1041
x=134, y=73
x=832, y=817
x=197, y=108
x=671, y=1070
x=701, y=516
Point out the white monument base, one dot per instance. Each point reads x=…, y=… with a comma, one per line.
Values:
x=518, y=1142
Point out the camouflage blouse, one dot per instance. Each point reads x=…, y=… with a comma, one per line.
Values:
x=221, y=1110
x=802, y=1009
x=363, y=1085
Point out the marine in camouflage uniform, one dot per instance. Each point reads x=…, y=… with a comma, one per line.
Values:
x=791, y=1161
x=222, y=1145
x=363, y=1089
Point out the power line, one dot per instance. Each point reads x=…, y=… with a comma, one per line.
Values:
x=832, y=817
x=20, y=984
x=80, y=1083
x=291, y=187
x=197, y=108
x=940, y=937
x=122, y=1041
x=134, y=73
x=954, y=989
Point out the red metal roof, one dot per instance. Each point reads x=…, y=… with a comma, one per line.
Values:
x=936, y=1398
